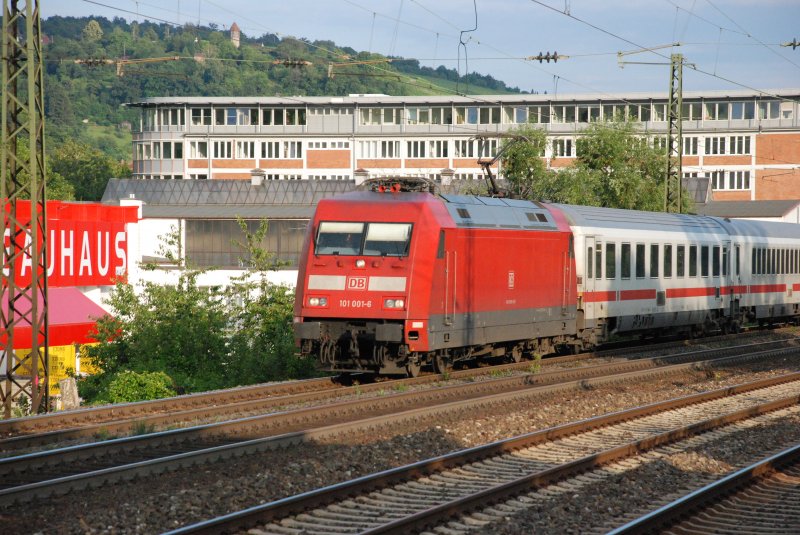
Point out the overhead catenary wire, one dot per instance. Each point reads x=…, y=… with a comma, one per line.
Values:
x=416, y=82
x=692, y=67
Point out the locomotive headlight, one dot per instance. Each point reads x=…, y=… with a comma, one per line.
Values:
x=318, y=301
x=394, y=303
x=360, y=263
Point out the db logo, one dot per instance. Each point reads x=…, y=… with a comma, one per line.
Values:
x=356, y=283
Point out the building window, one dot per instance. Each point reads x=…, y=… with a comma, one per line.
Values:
x=739, y=145
x=716, y=111
x=198, y=149
x=378, y=149
x=715, y=145
x=171, y=117
x=487, y=148
x=270, y=150
x=691, y=111
x=539, y=114
x=769, y=109
x=588, y=113
x=562, y=148
x=415, y=149
x=730, y=180
x=465, y=148
x=201, y=116
x=659, y=112
x=283, y=116
x=738, y=179
x=222, y=150
x=660, y=143
x=293, y=149
x=690, y=144
x=246, y=150
x=218, y=242
x=438, y=149
x=743, y=110
x=563, y=114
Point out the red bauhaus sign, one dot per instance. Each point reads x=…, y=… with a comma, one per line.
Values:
x=87, y=243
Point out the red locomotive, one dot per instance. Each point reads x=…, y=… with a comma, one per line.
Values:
x=395, y=277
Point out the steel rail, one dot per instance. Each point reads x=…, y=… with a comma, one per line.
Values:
x=393, y=401
x=76, y=454
x=274, y=511
x=686, y=506
x=214, y=403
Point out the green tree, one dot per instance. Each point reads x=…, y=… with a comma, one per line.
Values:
x=262, y=340
x=87, y=169
x=57, y=187
x=616, y=167
x=203, y=338
x=92, y=32
x=177, y=328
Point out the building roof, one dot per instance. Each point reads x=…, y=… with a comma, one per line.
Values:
x=744, y=209
x=375, y=99
x=225, y=199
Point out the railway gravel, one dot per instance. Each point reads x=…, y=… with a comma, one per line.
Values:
x=637, y=487
x=178, y=498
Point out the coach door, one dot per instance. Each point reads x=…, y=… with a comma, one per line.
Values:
x=587, y=272
x=730, y=279
x=448, y=254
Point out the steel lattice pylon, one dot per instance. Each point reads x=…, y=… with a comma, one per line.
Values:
x=673, y=201
x=22, y=177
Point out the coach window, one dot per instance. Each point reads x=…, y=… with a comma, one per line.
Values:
x=738, y=258
x=654, y=260
x=589, y=263
x=598, y=263
x=761, y=261
x=625, y=259
x=681, y=260
x=667, y=260
x=724, y=261
x=692, y=260
x=639, y=260
x=715, y=261
x=754, y=261
x=704, y=261
x=611, y=261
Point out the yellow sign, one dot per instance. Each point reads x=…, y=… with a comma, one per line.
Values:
x=62, y=362
x=85, y=364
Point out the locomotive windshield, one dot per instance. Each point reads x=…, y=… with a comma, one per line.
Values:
x=367, y=239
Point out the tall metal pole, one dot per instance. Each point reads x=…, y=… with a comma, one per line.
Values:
x=24, y=273
x=673, y=201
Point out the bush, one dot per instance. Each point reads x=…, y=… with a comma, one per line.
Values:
x=133, y=386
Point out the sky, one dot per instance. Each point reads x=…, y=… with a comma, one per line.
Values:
x=726, y=44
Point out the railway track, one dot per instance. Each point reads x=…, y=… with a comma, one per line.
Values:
x=134, y=418
x=425, y=494
x=61, y=470
x=207, y=406
x=761, y=498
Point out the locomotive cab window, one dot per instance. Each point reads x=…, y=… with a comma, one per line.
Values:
x=337, y=238
x=387, y=239
x=368, y=239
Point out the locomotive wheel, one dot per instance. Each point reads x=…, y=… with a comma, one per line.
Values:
x=412, y=369
x=441, y=364
x=516, y=354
